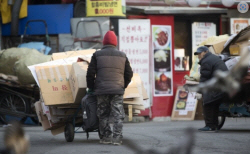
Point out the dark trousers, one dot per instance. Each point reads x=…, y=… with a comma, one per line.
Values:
x=110, y=106
x=211, y=113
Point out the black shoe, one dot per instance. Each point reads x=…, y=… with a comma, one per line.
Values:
x=117, y=141
x=106, y=140
x=208, y=129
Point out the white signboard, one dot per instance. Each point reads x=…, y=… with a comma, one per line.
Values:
x=134, y=41
x=202, y=31
x=191, y=101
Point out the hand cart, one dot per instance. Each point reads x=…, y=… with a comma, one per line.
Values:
x=28, y=38
x=74, y=123
x=97, y=39
x=17, y=100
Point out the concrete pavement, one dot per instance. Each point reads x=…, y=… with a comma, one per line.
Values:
x=234, y=138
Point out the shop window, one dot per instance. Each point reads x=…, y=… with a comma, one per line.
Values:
x=182, y=45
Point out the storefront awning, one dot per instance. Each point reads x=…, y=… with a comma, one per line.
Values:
x=175, y=10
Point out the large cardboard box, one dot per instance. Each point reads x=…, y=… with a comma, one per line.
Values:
x=54, y=84
x=68, y=54
x=135, y=106
x=46, y=123
x=237, y=48
x=47, y=112
x=144, y=92
x=58, y=130
x=77, y=80
x=45, y=108
x=135, y=92
x=134, y=101
x=131, y=91
x=135, y=88
x=61, y=112
x=41, y=117
x=216, y=47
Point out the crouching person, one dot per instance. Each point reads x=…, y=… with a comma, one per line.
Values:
x=109, y=73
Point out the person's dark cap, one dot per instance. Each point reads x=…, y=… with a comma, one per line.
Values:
x=201, y=49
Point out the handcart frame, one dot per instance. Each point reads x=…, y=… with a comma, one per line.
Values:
x=72, y=126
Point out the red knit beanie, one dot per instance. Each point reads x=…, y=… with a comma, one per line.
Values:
x=110, y=38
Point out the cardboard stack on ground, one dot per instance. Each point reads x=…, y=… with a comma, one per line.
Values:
x=134, y=95
x=62, y=85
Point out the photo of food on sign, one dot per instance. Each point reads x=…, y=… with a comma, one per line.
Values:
x=162, y=82
x=162, y=60
x=183, y=94
x=161, y=38
x=180, y=105
x=182, y=100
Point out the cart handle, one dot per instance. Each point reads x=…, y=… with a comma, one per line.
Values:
x=45, y=24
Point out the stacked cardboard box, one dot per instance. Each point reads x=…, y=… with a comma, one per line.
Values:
x=54, y=118
x=237, y=48
x=134, y=95
x=63, y=84
x=216, y=47
x=68, y=54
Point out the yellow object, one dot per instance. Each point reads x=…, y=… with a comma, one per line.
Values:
x=6, y=11
x=234, y=50
x=24, y=9
x=237, y=48
x=106, y=8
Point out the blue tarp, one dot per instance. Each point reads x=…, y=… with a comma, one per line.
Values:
x=57, y=17
x=36, y=45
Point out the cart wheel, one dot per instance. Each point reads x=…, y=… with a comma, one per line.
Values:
x=13, y=102
x=69, y=132
x=221, y=121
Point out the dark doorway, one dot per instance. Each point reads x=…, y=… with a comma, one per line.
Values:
x=183, y=30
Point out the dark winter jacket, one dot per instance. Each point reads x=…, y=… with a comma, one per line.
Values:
x=209, y=64
x=109, y=71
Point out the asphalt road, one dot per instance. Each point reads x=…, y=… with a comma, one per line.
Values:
x=234, y=138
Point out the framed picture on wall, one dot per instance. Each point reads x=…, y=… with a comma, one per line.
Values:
x=237, y=24
x=162, y=62
x=181, y=62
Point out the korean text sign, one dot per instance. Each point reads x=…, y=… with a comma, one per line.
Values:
x=134, y=38
x=106, y=8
